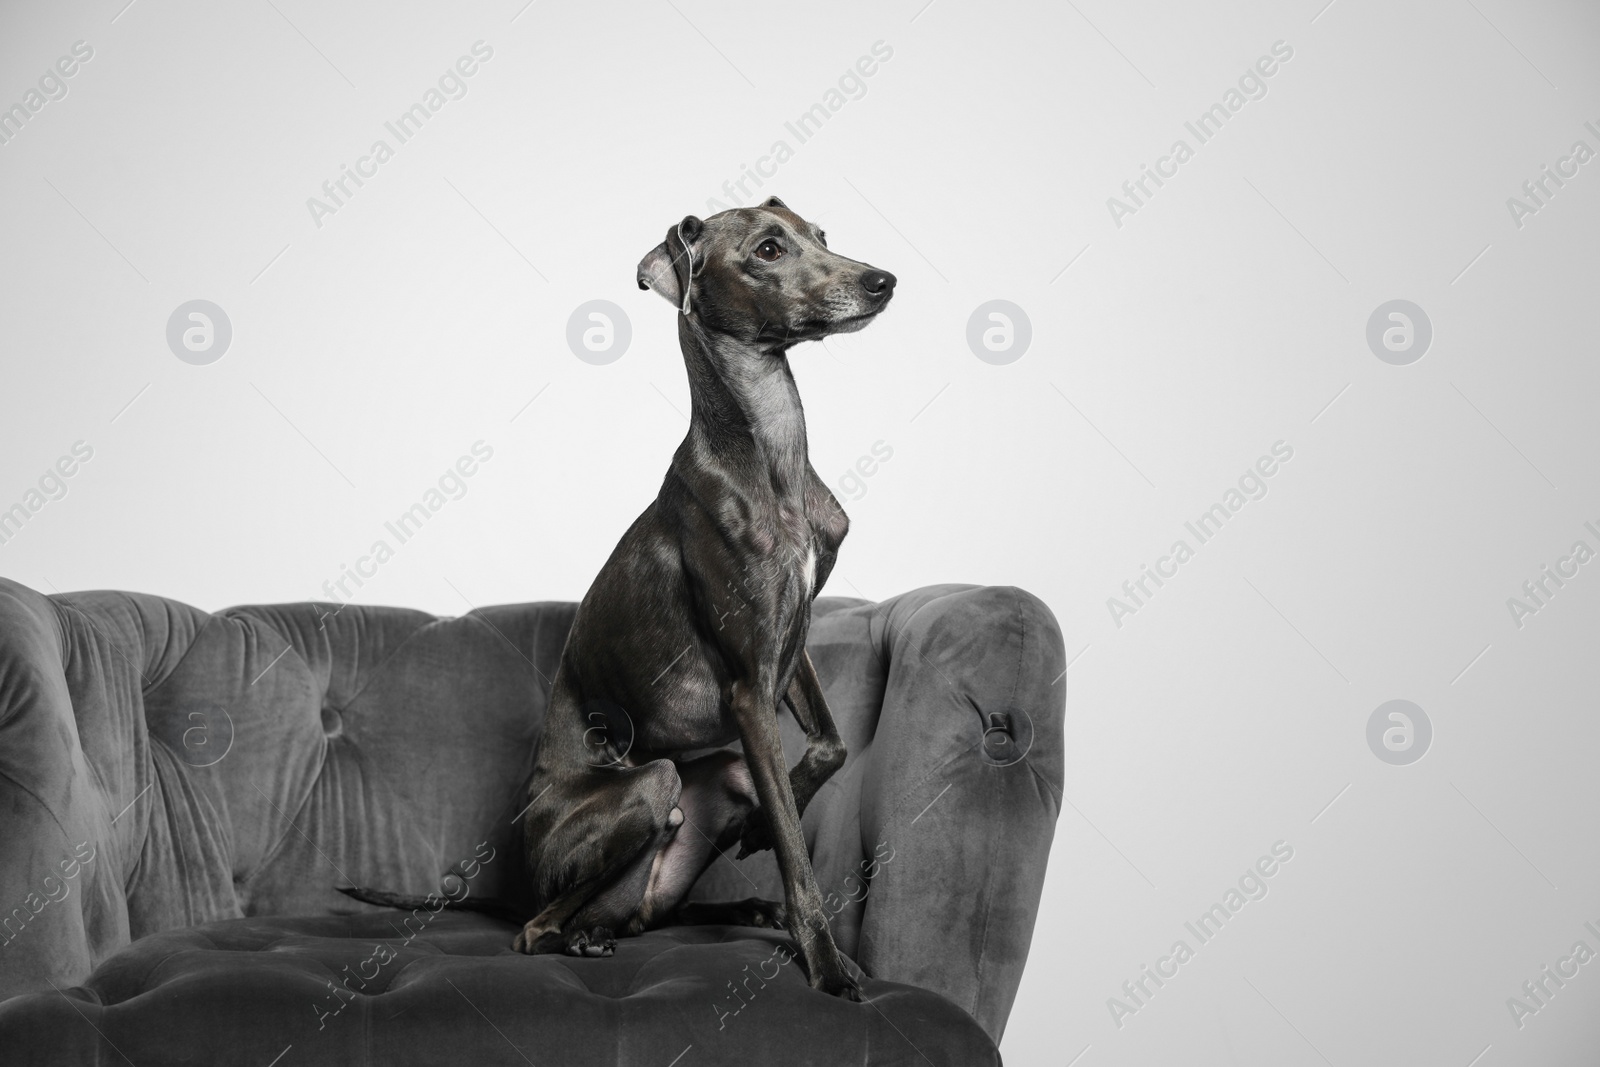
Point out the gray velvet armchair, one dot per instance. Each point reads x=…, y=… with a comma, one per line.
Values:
x=181, y=792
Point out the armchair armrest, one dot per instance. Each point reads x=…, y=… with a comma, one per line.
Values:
x=965, y=789
x=61, y=902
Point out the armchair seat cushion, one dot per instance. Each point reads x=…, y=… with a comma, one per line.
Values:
x=447, y=988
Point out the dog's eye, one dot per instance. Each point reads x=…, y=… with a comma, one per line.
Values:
x=822, y=235
x=769, y=250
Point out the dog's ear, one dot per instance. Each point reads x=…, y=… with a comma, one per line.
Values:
x=670, y=266
x=655, y=272
x=773, y=201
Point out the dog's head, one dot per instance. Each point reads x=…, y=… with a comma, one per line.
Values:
x=765, y=276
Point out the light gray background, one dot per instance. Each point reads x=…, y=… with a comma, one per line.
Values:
x=1229, y=313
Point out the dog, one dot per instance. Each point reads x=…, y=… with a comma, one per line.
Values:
x=695, y=628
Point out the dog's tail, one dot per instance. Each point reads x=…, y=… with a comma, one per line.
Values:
x=500, y=909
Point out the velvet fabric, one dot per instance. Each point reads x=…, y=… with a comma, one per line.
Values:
x=182, y=791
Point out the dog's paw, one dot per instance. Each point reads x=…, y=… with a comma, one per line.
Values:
x=596, y=941
x=537, y=940
x=757, y=835
x=838, y=985
x=754, y=911
x=769, y=914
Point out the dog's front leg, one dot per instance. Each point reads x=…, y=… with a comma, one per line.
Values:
x=756, y=713
x=825, y=752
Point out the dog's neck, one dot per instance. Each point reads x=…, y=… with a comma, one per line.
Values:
x=744, y=401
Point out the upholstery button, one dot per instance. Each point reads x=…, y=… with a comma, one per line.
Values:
x=452, y=885
x=332, y=722
x=1007, y=737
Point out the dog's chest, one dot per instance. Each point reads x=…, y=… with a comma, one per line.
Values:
x=770, y=551
x=795, y=548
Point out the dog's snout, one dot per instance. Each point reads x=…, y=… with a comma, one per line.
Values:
x=878, y=282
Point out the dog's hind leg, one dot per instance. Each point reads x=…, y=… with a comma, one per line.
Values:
x=615, y=909
x=583, y=833
x=716, y=797
x=825, y=749
x=751, y=911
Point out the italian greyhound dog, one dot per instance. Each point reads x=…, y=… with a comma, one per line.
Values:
x=695, y=629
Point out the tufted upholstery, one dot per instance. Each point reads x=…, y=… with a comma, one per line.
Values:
x=457, y=994
x=163, y=768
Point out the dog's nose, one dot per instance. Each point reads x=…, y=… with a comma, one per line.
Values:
x=878, y=282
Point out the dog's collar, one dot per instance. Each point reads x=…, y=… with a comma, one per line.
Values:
x=688, y=273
